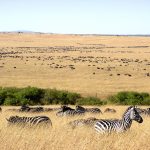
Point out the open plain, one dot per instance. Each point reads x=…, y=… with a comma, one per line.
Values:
x=90, y=65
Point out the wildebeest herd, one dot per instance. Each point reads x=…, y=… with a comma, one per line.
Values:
x=92, y=63
x=100, y=125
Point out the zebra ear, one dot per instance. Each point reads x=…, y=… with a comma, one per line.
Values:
x=7, y=119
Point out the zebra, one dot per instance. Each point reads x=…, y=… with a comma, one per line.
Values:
x=148, y=111
x=37, y=120
x=25, y=108
x=91, y=110
x=67, y=111
x=104, y=126
x=107, y=110
x=89, y=122
x=145, y=111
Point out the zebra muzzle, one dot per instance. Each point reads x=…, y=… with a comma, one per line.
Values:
x=140, y=120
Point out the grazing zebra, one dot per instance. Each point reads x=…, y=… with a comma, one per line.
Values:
x=67, y=111
x=91, y=110
x=148, y=111
x=144, y=111
x=89, y=122
x=103, y=126
x=25, y=108
x=107, y=110
x=48, y=109
x=38, y=120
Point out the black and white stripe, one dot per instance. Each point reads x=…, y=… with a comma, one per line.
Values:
x=67, y=111
x=145, y=112
x=37, y=120
x=91, y=110
x=103, y=126
x=25, y=108
x=89, y=122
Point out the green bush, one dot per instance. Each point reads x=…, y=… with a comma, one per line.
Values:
x=130, y=98
x=53, y=96
x=90, y=101
x=32, y=94
x=11, y=101
x=38, y=96
x=7, y=93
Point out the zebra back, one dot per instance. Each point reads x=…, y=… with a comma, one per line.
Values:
x=109, y=110
x=72, y=112
x=89, y=122
x=93, y=110
x=37, y=120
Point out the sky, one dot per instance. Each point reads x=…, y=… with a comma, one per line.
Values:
x=76, y=16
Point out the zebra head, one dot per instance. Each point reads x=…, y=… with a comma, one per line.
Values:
x=65, y=108
x=13, y=119
x=134, y=115
x=80, y=108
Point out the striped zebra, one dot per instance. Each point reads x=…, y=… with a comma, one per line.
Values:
x=67, y=111
x=148, y=111
x=140, y=111
x=109, y=110
x=25, y=108
x=145, y=112
x=103, y=126
x=91, y=110
x=89, y=122
x=37, y=120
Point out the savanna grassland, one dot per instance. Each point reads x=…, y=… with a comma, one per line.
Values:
x=62, y=137
x=90, y=65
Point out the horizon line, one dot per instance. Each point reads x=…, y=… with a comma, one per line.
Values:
x=94, y=34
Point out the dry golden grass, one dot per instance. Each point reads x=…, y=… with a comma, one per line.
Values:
x=61, y=137
x=43, y=60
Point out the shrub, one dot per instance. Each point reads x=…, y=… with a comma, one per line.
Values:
x=130, y=98
x=53, y=96
x=32, y=94
x=90, y=101
x=38, y=96
x=11, y=101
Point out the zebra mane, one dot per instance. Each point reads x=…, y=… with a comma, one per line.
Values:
x=127, y=110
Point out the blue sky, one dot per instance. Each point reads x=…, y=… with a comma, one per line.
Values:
x=76, y=16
